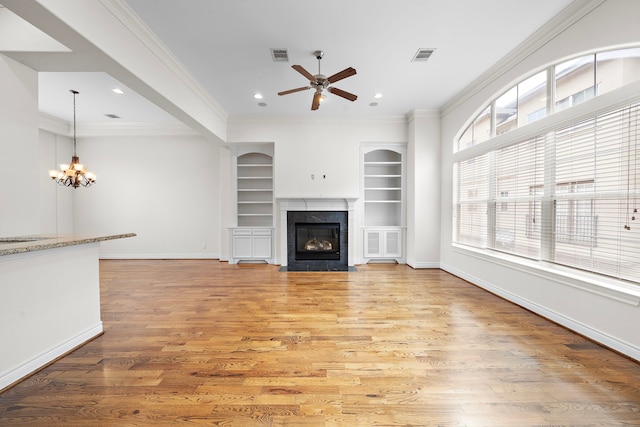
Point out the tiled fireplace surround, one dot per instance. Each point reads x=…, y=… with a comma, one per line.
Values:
x=320, y=206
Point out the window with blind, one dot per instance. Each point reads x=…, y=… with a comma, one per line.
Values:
x=596, y=194
x=569, y=196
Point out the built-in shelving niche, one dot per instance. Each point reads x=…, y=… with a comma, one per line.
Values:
x=255, y=190
x=383, y=187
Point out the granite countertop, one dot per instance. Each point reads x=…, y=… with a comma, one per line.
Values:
x=20, y=244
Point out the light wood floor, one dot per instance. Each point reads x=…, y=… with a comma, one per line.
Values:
x=207, y=343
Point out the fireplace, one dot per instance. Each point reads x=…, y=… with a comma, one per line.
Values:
x=317, y=241
x=317, y=214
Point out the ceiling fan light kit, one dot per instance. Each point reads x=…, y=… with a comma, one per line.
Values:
x=320, y=82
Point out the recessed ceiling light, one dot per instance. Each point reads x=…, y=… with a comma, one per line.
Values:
x=117, y=91
x=377, y=95
x=257, y=95
x=373, y=104
x=262, y=104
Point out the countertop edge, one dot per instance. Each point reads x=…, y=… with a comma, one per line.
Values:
x=51, y=242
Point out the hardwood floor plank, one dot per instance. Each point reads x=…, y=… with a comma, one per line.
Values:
x=199, y=342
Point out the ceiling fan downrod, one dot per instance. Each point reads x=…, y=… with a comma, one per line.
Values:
x=320, y=78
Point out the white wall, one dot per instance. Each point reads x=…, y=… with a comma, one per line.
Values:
x=19, y=183
x=604, y=316
x=226, y=208
x=163, y=188
x=423, y=189
x=56, y=202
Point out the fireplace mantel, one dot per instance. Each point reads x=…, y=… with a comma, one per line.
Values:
x=316, y=204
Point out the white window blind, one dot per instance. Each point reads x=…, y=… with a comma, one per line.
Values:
x=473, y=198
x=570, y=196
x=596, y=193
x=517, y=197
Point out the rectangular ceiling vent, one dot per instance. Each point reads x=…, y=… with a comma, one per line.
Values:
x=422, y=55
x=279, y=55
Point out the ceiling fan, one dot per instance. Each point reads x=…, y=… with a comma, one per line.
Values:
x=319, y=82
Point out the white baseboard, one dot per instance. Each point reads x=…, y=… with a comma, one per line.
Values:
x=195, y=255
x=423, y=264
x=572, y=324
x=31, y=366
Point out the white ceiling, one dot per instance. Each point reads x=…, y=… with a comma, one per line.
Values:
x=226, y=46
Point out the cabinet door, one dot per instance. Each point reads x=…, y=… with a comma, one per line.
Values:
x=372, y=243
x=383, y=243
x=242, y=247
x=393, y=243
x=262, y=246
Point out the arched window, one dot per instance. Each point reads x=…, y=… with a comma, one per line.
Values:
x=553, y=89
x=549, y=170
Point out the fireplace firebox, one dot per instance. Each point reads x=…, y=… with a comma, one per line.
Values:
x=317, y=241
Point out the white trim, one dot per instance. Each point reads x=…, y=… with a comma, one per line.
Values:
x=619, y=98
x=125, y=15
x=572, y=324
x=135, y=129
x=423, y=113
x=29, y=367
x=611, y=288
x=54, y=125
x=61, y=127
x=312, y=119
x=418, y=265
x=187, y=255
x=559, y=23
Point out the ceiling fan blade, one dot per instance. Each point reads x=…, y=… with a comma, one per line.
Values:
x=301, y=70
x=299, y=89
x=342, y=93
x=347, y=72
x=316, y=101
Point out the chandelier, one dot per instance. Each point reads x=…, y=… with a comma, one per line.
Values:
x=74, y=174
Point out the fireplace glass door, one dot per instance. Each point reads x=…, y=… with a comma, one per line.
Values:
x=317, y=241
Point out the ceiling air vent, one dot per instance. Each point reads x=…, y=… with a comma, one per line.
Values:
x=279, y=55
x=422, y=55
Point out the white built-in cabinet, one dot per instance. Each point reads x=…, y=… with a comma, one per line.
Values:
x=252, y=237
x=251, y=244
x=383, y=188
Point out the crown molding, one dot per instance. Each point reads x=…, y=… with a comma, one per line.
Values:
x=123, y=13
x=54, y=125
x=58, y=126
x=559, y=23
x=309, y=119
x=423, y=113
x=135, y=129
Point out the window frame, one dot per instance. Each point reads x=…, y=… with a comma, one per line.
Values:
x=618, y=98
x=551, y=108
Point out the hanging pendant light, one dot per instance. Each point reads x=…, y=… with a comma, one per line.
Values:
x=74, y=174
